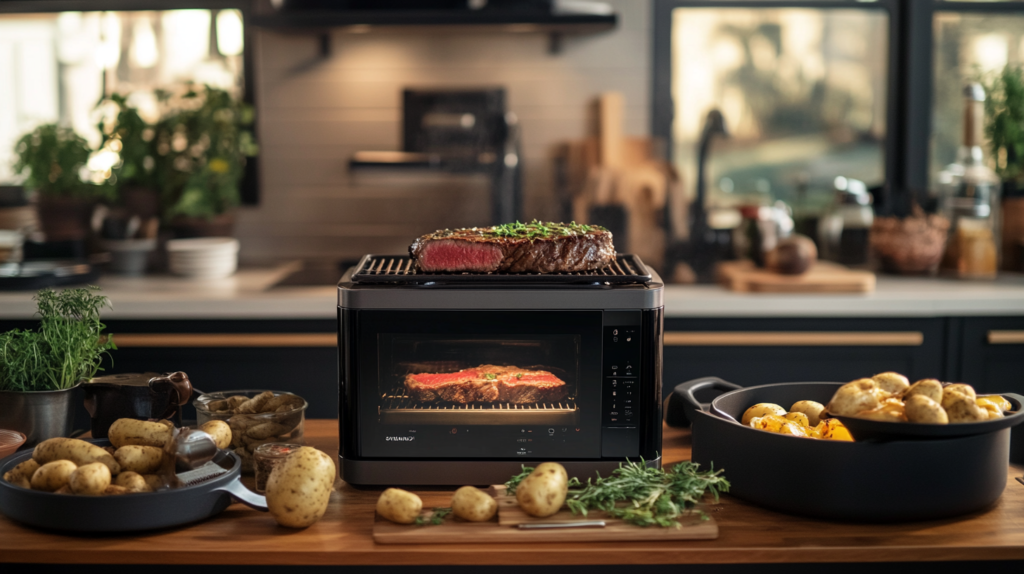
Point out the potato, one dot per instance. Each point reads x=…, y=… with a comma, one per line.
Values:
x=52, y=475
x=959, y=388
x=266, y=430
x=799, y=418
x=962, y=408
x=779, y=425
x=114, y=490
x=854, y=397
x=921, y=408
x=472, y=504
x=63, y=490
x=299, y=488
x=255, y=404
x=812, y=409
x=399, y=506
x=760, y=410
x=890, y=412
x=77, y=451
x=132, y=482
x=90, y=479
x=275, y=404
x=930, y=388
x=22, y=473
x=220, y=431
x=892, y=383
x=142, y=433
x=139, y=459
x=153, y=481
x=543, y=492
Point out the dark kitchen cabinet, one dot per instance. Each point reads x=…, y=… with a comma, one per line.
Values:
x=992, y=353
x=752, y=352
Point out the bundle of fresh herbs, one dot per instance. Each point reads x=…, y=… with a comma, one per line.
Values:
x=67, y=347
x=652, y=496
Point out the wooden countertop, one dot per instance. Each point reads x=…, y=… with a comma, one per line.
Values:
x=748, y=534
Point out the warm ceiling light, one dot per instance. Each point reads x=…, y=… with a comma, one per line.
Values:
x=230, y=34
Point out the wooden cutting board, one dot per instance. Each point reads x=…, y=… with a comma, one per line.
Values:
x=822, y=277
x=504, y=528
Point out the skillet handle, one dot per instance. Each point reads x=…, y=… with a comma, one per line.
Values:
x=1013, y=397
x=247, y=497
x=682, y=402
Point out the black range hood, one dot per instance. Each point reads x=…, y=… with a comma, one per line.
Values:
x=551, y=16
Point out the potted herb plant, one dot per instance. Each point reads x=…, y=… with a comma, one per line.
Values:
x=41, y=369
x=202, y=148
x=126, y=133
x=52, y=157
x=1004, y=127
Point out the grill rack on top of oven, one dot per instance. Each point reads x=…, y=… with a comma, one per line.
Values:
x=399, y=408
x=627, y=269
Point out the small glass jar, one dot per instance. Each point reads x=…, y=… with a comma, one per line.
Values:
x=266, y=457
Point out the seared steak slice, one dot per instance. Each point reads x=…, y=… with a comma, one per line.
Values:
x=515, y=248
x=486, y=384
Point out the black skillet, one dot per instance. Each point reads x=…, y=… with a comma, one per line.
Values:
x=129, y=512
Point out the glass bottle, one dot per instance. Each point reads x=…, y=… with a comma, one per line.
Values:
x=970, y=200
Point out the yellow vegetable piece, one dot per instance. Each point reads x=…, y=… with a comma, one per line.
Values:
x=799, y=418
x=994, y=402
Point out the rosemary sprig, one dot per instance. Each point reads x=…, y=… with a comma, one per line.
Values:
x=653, y=496
x=436, y=518
x=541, y=230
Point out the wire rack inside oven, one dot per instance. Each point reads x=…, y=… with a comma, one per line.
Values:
x=397, y=407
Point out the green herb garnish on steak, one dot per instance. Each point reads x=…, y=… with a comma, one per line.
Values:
x=540, y=229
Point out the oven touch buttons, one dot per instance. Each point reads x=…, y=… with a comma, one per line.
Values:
x=621, y=376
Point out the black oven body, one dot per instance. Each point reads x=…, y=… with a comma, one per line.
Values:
x=609, y=360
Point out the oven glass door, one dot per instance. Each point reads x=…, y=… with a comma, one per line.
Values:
x=479, y=384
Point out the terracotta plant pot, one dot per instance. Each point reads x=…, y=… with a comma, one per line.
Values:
x=64, y=218
x=222, y=225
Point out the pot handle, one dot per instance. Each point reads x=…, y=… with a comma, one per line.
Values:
x=179, y=390
x=247, y=497
x=682, y=402
x=1014, y=397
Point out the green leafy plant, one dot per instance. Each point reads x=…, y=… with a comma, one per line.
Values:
x=1004, y=122
x=133, y=139
x=640, y=495
x=202, y=148
x=51, y=158
x=67, y=347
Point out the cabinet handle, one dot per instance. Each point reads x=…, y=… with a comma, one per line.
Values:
x=795, y=338
x=201, y=340
x=1006, y=337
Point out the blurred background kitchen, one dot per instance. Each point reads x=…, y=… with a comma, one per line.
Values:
x=204, y=161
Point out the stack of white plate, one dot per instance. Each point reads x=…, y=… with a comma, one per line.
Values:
x=203, y=257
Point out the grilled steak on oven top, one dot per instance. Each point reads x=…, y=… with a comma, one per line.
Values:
x=486, y=384
x=516, y=248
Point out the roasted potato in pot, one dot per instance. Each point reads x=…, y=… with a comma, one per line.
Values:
x=472, y=504
x=930, y=388
x=854, y=397
x=760, y=410
x=962, y=408
x=892, y=383
x=798, y=418
x=400, y=506
x=959, y=388
x=922, y=409
x=812, y=409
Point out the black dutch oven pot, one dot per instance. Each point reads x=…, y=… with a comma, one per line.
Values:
x=866, y=481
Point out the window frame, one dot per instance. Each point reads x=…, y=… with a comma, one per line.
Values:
x=910, y=76
x=250, y=186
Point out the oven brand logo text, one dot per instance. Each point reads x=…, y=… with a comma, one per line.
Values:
x=399, y=438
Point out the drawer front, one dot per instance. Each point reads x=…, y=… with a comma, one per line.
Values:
x=992, y=356
x=752, y=352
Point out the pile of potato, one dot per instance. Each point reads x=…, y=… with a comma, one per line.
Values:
x=540, y=494
x=131, y=465
x=262, y=419
x=890, y=397
x=803, y=419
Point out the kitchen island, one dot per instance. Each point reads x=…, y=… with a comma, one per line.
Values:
x=748, y=535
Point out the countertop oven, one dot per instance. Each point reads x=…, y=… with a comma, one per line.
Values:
x=463, y=378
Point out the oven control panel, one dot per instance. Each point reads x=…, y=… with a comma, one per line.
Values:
x=620, y=399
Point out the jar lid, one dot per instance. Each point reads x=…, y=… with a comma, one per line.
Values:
x=276, y=449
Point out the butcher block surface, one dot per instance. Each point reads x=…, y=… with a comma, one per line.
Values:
x=747, y=534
